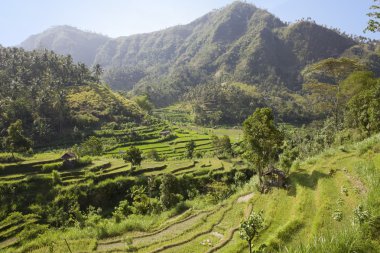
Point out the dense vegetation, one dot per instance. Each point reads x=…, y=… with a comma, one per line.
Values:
x=52, y=96
x=84, y=169
x=83, y=45
x=238, y=43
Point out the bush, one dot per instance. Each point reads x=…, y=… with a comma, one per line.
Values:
x=84, y=161
x=9, y=158
x=154, y=155
x=92, y=146
x=56, y=177
x=347, y=136
x=180, y=208
x=337, y=215
x=32, y=231
x=240, y=178
x=52, y=166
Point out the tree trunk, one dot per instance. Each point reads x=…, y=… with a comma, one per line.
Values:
x=250, y=246
x=261, y=182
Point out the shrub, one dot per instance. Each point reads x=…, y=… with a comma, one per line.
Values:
x=180, y=208
x=240, y=178
x=9, y=158
x=361, y=215
x=32, y=231
x=52, y=166
x=84, y=161
x=154, y=155
x=56, y=177
x=348, y=136
x=366, y=145
x=337, y=215
x=92, y=146
x=198, y=154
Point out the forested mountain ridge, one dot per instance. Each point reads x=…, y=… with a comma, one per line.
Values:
x=55, y=98
x=237, y=43
x=82, y=46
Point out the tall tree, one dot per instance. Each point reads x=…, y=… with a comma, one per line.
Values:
x=98, y=71
x=16, y=141
x=263, y=140
x=190, y=147
x=374, y=22
x=363, y=110
x=133, y=155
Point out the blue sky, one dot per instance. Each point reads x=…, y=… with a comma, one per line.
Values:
x=21, y=18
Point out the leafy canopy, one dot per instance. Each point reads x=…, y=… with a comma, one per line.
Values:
x=134, y=156
x=251, y=228
x=16, y=141
x=262, y=138
x=374, y=22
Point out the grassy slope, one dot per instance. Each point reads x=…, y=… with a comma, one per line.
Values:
x=292, y=217
x=305, y=212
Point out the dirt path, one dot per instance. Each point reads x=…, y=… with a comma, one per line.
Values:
x=217, y=234
x=357, y=183
x=8, y=242
x=245, y=198
x=232, y=231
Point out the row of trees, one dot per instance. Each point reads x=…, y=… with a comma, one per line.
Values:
x=351, y=105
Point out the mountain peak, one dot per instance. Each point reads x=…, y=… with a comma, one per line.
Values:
x=239, y=42
x=65, y=39
x=240, y=4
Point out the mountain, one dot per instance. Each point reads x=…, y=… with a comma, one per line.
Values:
x=237, y=43
x=82, y=46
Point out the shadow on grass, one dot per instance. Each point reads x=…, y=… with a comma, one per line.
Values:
x=304, y=179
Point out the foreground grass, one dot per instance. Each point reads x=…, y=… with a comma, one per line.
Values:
x=300, y=219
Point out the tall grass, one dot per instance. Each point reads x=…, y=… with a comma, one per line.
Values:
x=345, y=241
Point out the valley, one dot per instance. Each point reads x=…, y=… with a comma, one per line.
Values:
x=236, y=132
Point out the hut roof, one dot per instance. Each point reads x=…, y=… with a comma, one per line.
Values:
x=68, y=156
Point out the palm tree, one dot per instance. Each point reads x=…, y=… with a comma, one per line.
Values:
x=98, y=71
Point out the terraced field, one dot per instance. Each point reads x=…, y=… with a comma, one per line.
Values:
x=320, y=187
x=112, y=166
x=12, y=226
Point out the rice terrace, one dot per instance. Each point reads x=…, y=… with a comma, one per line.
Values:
x=237, y=131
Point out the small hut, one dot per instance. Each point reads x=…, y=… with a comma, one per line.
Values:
x=275, y=177
x=69, y=160
x=68, y=157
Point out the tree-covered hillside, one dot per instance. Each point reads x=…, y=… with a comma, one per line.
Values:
x=54, y=97
x=67, y=40
x=237, y=43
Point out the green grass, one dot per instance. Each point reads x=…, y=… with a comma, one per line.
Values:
x=299, y=219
